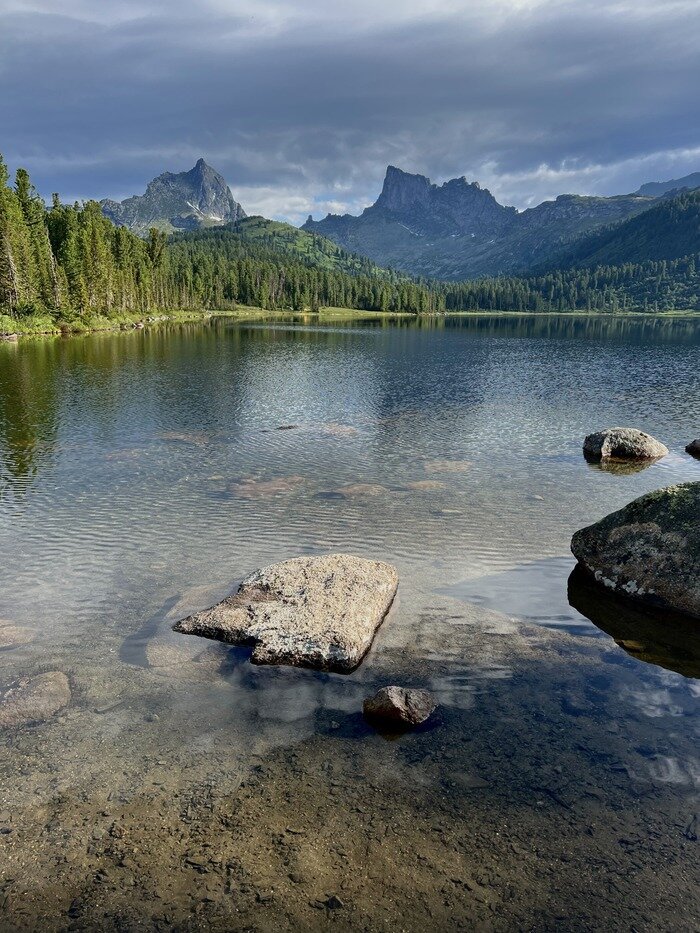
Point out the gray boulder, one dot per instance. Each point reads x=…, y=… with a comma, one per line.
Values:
x=400, y=705
x=693, y=448
x=319, y=612
x=649, y=550
x=622, y=444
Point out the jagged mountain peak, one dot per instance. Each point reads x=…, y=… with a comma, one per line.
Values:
x=199, y=197
x=458, y=229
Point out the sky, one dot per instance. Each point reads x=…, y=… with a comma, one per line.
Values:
x=301, y=104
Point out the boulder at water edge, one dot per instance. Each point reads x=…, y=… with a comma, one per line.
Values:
x=693, y=448
x=319, y=612
x=409, y=707
x=622, y=444
x=649, y=550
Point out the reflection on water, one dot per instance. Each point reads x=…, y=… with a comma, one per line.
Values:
x=143, y=474
x=664, y=638
x=621, y=467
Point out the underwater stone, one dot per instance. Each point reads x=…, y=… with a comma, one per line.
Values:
x=409, y=707
x=34, y=699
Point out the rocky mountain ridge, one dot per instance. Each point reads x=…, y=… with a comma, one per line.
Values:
x=178, y=201
x=459, y=230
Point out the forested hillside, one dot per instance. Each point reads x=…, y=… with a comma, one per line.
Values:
x=670, y=230
x=70, y=264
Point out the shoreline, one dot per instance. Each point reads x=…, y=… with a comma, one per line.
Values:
x=42, y=325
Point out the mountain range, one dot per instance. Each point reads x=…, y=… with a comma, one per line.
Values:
x=459, y=230
x=452, y=231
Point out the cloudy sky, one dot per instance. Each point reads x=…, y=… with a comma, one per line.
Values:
x=301, y=104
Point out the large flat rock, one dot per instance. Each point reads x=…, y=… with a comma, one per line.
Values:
x=319, y=612
x=649, y=550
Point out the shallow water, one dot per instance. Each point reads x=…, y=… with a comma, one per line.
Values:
x=143, y=474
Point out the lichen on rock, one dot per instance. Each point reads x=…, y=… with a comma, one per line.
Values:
x=649, y=550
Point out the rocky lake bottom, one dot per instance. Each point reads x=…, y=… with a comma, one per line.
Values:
x=168, y=783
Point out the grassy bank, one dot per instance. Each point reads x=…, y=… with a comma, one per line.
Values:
x=45, y=324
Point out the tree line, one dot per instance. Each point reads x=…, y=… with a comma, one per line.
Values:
x=71, y=262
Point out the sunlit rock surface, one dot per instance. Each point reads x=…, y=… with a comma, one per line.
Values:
x=319, y=612
x=623, y=444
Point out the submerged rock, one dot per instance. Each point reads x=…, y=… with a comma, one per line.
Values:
x=361, y=489
x=319, y=612
x=447, y=466
x=400, y=705
x=426, y=485
x=250, y=487
x=649, y=550
x=693, y=448
x=34, y=700
x=12, y=635
x=622, y=444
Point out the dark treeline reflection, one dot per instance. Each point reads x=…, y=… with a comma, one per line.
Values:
x=566, y=326
x=28, y=410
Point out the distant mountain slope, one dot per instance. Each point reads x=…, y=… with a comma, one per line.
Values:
x=669, y=230
x=655, y=189
x=458, y=230
x=302, y=245
x=281, y=241
x=184, y=201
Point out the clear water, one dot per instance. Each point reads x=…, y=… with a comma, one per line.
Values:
x=143, y=474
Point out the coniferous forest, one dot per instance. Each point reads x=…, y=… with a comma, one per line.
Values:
x=69, y=263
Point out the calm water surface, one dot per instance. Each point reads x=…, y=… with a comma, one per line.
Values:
x=143, y=474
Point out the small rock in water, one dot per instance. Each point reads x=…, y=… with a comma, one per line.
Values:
x=35, y=699
x=400, y=705
x=622, y=444
x=693, y=448
x=318, y=612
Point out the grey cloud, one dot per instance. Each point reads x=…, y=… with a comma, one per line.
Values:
x=313, y=103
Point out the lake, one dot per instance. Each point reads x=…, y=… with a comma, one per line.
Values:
x=144, y=474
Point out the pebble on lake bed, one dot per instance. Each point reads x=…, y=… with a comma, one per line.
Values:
x=401, y=705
